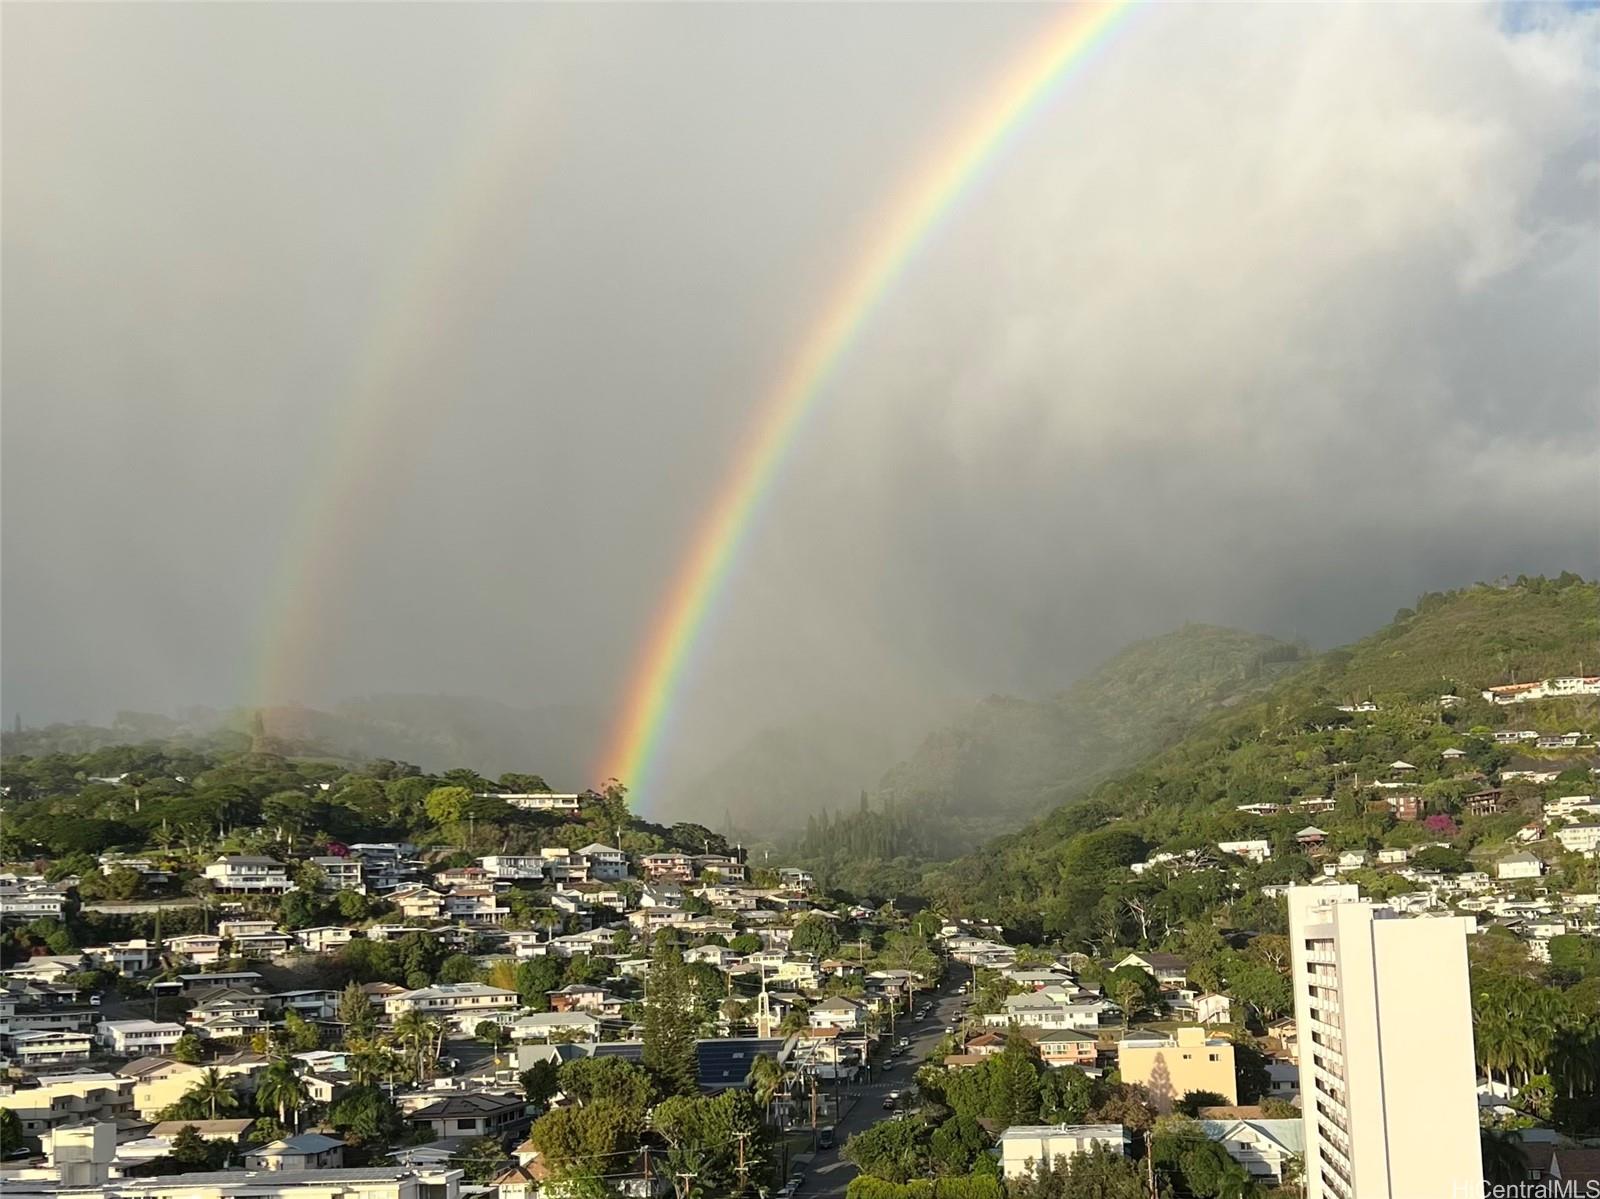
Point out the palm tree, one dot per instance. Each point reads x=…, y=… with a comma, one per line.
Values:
x=214, y=1093
x=282, y=1089
x=766, y=1079
x=422, y=1039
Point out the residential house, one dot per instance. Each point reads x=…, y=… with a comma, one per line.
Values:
x=1252, y=851
x=1580, y=838
x=464, y=1005
x=473, y=1114
x=325, y=938
x=416, y=902
x=1025, y=1147
x=70, y=1098
x=606, y=862
x=203, y=949
x=1519, y=866
x=340, y=873
x=1265, y=1148
x=1212, y=1008
x=303, y=1151
x=839, y=1012
x=1068, y=1047
x=1169, y=970
x=475, y=905
x=243, y=873
x=23, y=905
x=48, y=1047
x=126, y=957
x=667, y=867
x=538, y=801
x=138, y=1038
x=1311, y=839
x=515, y=866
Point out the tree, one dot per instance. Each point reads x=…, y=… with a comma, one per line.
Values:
x=593, y=1134
x=767, y=1078
x=447, y=805
x=815, y=935
x=1065, y=1095
x=540, y=1082
x=187, y=1049
x=10, y=1131
x=420, y=1037
x=300, y=1034
x=459, y=968
x=1098, y=1174
x=212, y=1093
x=281, y=1090
x=356, y=1013
x=593, y=1080
x=192, y=1151
x=1132, y=989
x=482, y=1159
x=365, y=1114
x=536, y=977
x=669, y=1022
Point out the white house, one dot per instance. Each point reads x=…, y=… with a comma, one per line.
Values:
x=462, y=1004
x=1254, y=851
x=240, y=872
x=46, y=1047
x=514, y=866
x=138, y=1038
x=839, y=1012
x=1580, y=838
x=1024, y=1146
x=606, y=862
x=1263, y=1147
x=1519, y=865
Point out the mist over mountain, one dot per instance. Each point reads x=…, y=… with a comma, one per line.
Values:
x=435, y=732
x=989, y=767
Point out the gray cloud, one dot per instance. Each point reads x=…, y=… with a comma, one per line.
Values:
x=1277, y=317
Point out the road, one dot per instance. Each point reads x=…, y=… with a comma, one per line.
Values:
x=828, y=1173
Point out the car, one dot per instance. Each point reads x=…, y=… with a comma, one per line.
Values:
x=825, y=1139
x=786, y=1191
x=796, y=1181
x=950, y=1028
x=891, y=1101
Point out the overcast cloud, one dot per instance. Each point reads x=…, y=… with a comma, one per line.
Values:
x=1278, y=317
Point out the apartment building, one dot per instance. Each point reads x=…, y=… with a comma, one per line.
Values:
x=1387, y=1076
x=1173, y=1066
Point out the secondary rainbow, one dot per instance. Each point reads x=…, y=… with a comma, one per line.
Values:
x=368, y=432
x=904, y=226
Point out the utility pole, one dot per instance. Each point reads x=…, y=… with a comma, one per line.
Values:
x=685, y=1178
x=648, y=1188
x=740, y=1137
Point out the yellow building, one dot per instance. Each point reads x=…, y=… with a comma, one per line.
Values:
x=1170, y=1067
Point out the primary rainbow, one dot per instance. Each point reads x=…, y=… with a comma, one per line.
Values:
x=905, y=224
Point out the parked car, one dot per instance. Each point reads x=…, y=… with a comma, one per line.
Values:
x=891, y=1101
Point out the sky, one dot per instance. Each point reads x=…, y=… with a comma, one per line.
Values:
x=353, y=349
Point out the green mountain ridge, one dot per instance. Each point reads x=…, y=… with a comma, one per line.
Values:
x=1290, y=740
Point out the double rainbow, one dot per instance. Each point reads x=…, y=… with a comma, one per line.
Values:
x=1027, y=87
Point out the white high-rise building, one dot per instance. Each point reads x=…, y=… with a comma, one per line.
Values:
x=1388, y=1084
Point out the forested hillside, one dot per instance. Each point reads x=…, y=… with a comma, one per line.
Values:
x=1066, y=875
